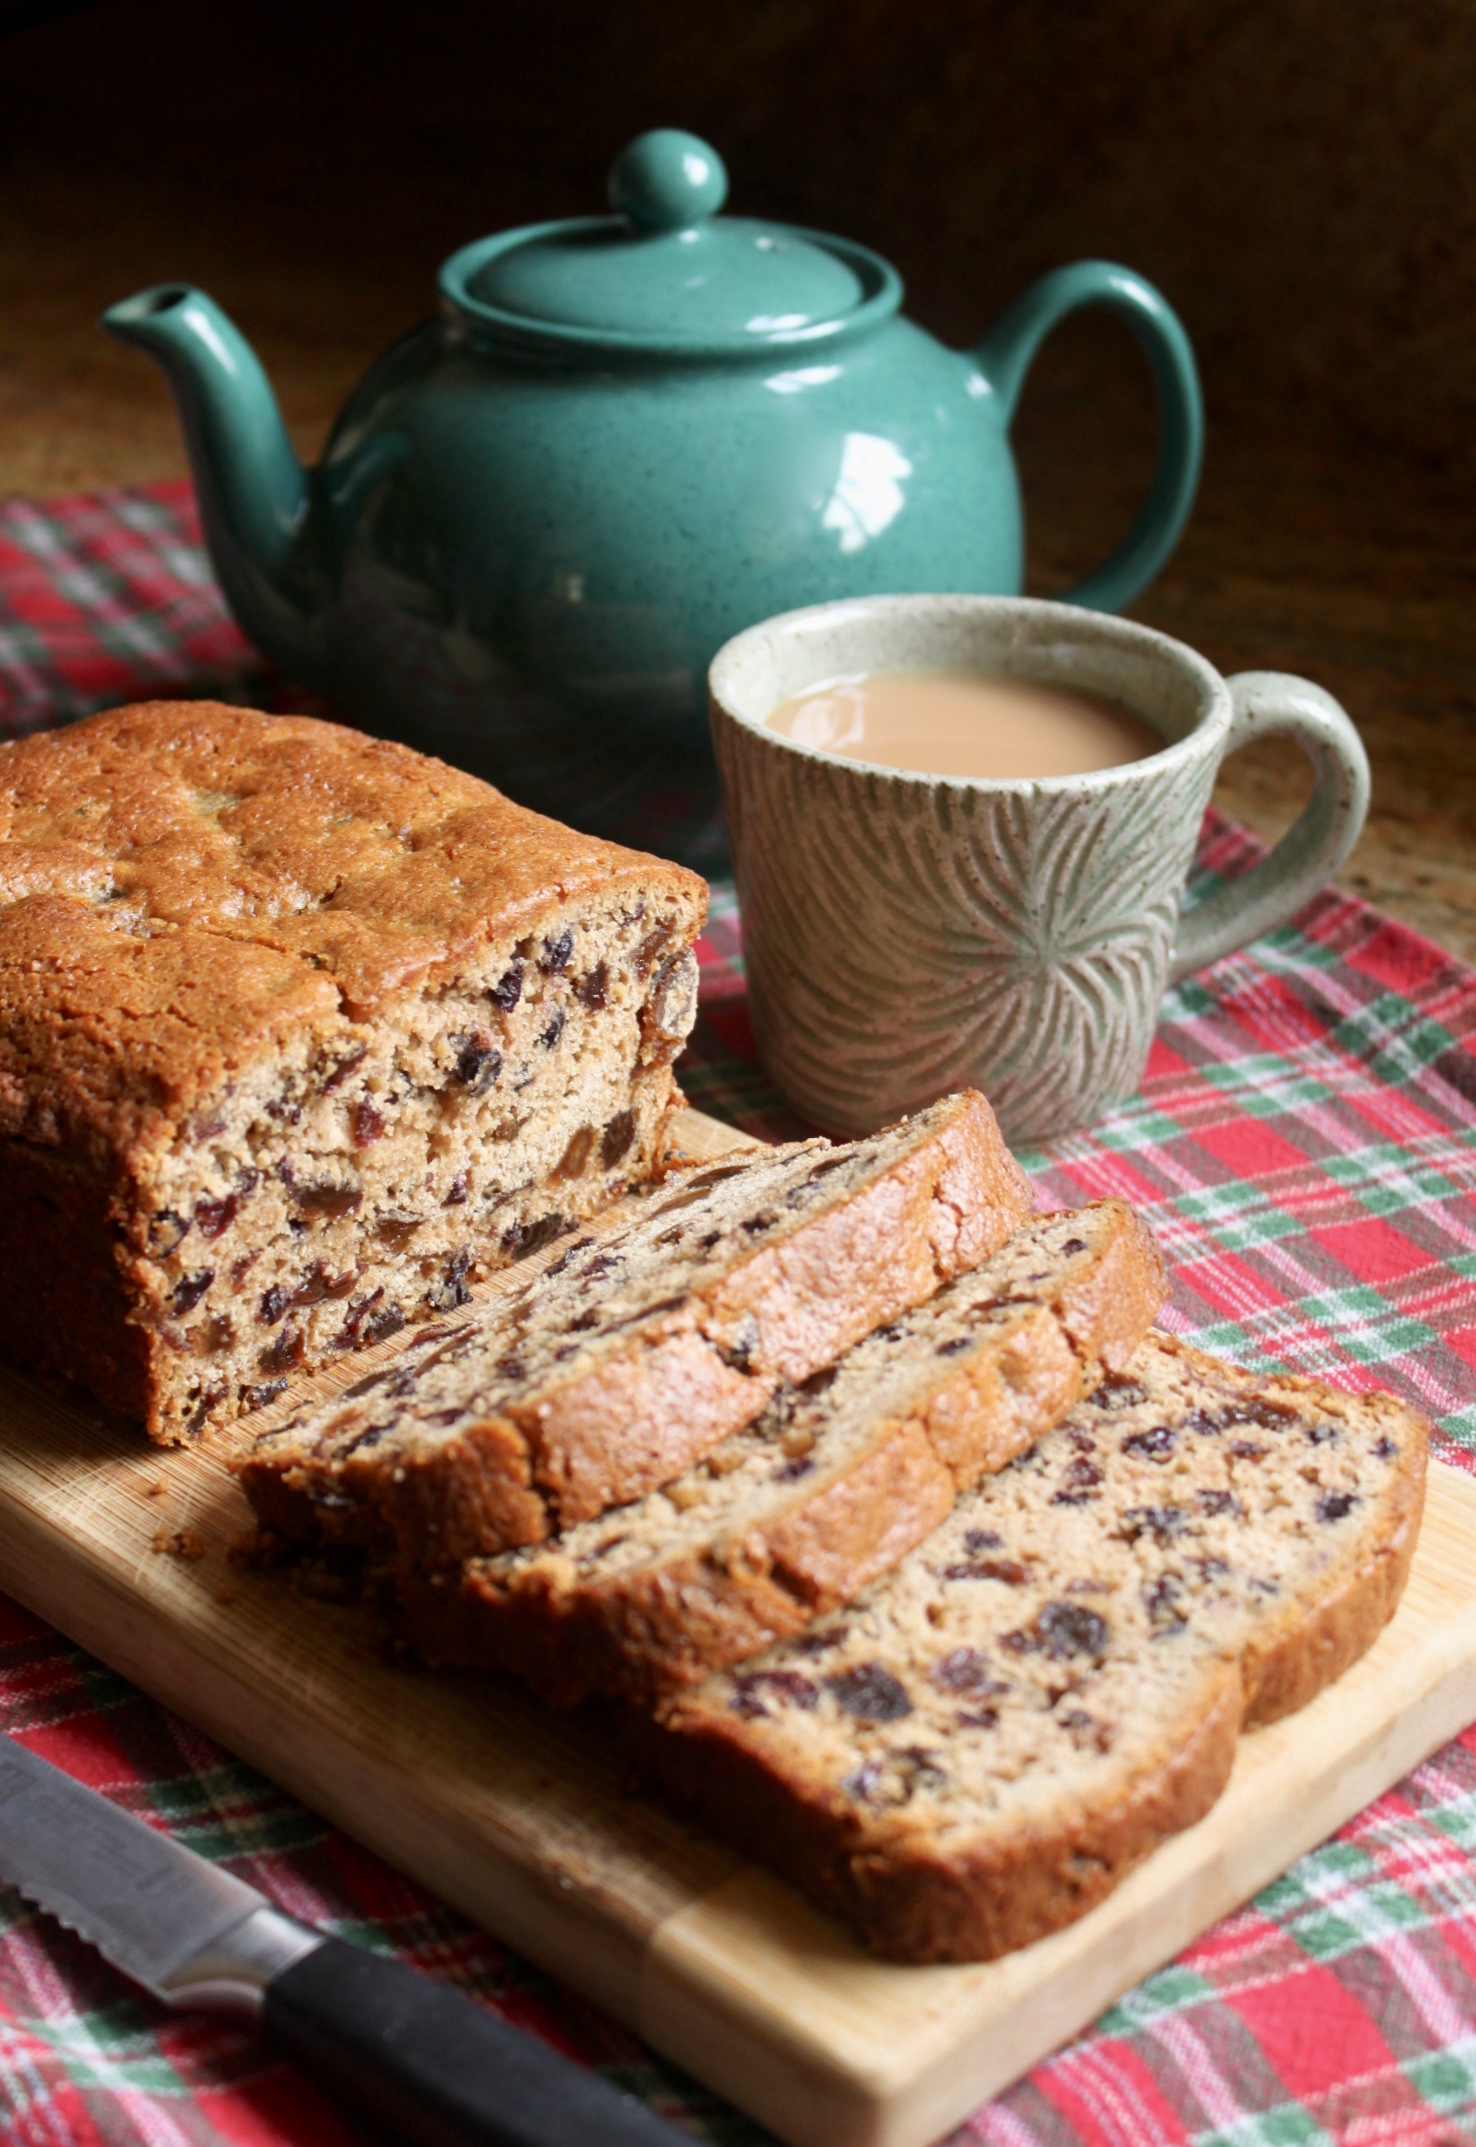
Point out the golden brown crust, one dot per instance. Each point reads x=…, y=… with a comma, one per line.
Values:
x=642, y=1415
x=908, y=1904
x=923, y=1909
x=669, y=1626
x=1285, y=1669
x=1108, y=1316
x=503, y=1478
x=182, y=883
x=634, y=1423
x=977, y=1424
x=943, y=1210
x=669, y=1622
x=1324, y=1629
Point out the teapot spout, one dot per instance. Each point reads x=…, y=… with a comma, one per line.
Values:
x=253, y=491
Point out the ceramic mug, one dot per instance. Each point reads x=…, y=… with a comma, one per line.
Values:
x=906, y=934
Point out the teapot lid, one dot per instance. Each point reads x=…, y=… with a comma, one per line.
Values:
x=667, y=273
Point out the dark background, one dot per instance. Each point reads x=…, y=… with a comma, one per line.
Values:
x=1299, y=176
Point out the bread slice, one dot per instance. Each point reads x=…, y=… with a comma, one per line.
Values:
x=977, y=1750
x=835, y=1482
x=652, y=1339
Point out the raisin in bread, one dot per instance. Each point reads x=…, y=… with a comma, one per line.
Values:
x=975, y=1752
x=646, y=1344
x=836, y=1481
x=300, y=1033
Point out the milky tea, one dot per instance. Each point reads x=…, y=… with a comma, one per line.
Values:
x=977, y=723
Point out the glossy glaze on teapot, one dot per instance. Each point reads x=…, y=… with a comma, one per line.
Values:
x=621, y=440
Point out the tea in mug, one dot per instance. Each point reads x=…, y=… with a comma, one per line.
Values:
x=977, y=723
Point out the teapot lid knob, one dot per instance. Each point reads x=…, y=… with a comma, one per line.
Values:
x=667, y=180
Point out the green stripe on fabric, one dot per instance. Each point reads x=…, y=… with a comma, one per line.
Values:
x=1289, y=2125
x=1168, y=1990
x=1446, y=2080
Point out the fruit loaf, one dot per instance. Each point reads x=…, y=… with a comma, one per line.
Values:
x=648, y=1342
x=974, y=1752
x=300, y=1033
x=835, y=1482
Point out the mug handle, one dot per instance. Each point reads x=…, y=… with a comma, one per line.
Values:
x=1267, y=704
x=1004, y=358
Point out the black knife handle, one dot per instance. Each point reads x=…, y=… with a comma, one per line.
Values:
x=423, y=2063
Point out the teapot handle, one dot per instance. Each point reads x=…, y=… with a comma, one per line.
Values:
x=1004, y=358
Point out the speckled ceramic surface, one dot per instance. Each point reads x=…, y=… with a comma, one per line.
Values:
x=905, y=934
x=620, y=440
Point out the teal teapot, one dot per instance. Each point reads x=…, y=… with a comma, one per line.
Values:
x=619, y=441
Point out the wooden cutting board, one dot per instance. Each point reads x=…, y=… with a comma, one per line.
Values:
x=518, y=1816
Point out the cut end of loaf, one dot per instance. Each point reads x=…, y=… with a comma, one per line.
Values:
x=365, y=1178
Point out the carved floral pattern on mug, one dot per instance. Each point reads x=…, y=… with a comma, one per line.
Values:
x=918, y=934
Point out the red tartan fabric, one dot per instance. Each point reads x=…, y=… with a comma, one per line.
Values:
x=1305, y=1146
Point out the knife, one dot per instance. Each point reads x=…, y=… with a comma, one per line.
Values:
x=418, y=2061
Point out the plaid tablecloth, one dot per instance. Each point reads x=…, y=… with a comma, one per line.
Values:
x=1305, y=1147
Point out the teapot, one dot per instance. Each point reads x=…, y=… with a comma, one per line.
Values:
x=621, y=440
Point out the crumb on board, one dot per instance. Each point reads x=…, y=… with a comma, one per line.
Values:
x=178, y=1542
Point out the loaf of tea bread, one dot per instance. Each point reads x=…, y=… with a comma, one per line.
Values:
x=834, y=1483
x=300, y=1033
x=974, y=1752
x=648, y=1342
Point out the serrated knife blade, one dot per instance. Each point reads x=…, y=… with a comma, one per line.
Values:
x=420, y=2062
x=150, y=1906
